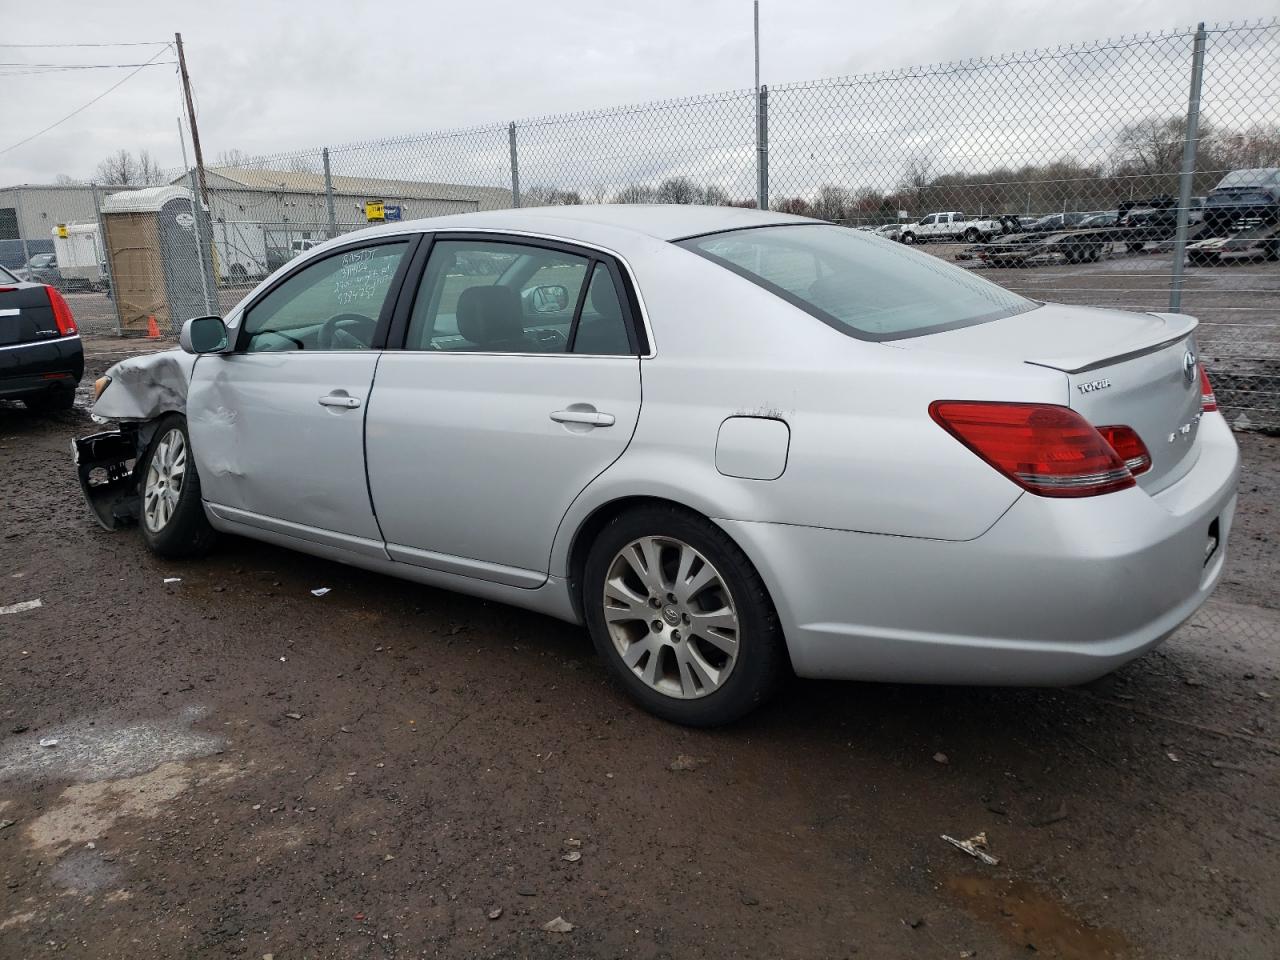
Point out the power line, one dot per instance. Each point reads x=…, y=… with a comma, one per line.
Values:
x=85, y=106
x=80, y=66
x=46, y=46
x=40, y=72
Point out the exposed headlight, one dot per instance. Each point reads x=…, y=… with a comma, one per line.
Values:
x=99, y=385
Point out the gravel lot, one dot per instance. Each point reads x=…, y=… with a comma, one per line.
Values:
x=244, y=769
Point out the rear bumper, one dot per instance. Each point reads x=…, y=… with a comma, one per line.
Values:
x=1056, y=592
x=28, y=369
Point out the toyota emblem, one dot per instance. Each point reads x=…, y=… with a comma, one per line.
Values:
x=1189, y=366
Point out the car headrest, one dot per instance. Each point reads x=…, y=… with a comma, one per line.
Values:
x=489, y=315
x=603, y=296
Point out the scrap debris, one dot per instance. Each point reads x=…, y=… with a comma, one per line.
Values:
x=21, y=606
x=558, y=925
x=975, y=846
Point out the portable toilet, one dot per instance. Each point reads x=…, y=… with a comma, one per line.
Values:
x=152, y=247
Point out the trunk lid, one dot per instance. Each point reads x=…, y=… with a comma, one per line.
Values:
x=1132, y=369
x=25, y=314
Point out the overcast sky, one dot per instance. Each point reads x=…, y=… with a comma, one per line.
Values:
x=273, y=77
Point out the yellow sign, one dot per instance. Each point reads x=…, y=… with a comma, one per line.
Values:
x=62, y=230
x=375, y=211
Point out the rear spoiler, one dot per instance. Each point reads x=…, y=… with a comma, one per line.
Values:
x=1177, y=326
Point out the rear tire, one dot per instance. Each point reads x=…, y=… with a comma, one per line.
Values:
x=908, y=238
x=51, y=401
x=686, y=626
x=172, y=517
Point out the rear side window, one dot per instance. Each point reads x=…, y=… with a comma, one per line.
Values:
x=498, y=296
x=863, y=285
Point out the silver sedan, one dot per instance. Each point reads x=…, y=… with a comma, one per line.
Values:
x=733, y=444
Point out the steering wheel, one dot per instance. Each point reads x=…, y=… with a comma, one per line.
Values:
x=324, y=339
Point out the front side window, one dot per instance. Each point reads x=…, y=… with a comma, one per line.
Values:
x=484, y=296
x=332, y=304
x=862, y=285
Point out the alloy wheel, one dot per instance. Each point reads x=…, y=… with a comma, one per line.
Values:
x=671, y=617
x=165, y=475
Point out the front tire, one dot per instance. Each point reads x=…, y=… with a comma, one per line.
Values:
x=908, y=238
x=172, y=517
x=681, y=617
x=972, y=235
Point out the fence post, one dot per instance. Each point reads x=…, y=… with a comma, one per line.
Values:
x=328, y=194
x=206, y=278
x=106, y=258
x=515, y=166
x=762, y=148
x=1188, y=170
x=22, y=234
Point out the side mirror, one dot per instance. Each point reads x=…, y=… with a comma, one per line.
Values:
x=550, y=298
x=203, y=335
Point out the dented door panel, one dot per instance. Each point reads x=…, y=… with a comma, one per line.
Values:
x=265, y=443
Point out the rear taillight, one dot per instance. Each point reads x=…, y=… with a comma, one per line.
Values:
x=1129, y=446
x=1046, y=449
x=1208, y=402
x=61, y=313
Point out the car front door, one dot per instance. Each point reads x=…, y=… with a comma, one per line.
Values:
x=277, y=425
x=518, y=384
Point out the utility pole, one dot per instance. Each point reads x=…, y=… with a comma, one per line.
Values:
x=191, y=120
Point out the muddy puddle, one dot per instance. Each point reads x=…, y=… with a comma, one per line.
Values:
x=1029, y=918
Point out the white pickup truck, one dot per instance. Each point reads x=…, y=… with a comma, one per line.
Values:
x=952, y=225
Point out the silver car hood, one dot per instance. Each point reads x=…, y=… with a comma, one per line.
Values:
x=1060, y=336
x=147, y=386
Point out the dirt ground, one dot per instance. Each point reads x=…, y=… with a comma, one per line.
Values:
x=244, y=769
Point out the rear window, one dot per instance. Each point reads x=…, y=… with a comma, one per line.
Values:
x=861, y=284
x=6, y=276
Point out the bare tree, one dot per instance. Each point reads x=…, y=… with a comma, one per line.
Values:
x=302, y=164
x=549, y=197
x=122, y=168
x=235, y=157
x=635, y=193
x=916, y=177
x=677, y=190
x=832, y=203
x=797, y=205
x=716, y=196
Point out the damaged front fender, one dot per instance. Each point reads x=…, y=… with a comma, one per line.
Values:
x=141, y=390
x=147, y=387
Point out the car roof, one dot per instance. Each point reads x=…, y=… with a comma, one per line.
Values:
x=673, y=221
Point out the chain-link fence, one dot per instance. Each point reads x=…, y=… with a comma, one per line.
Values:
x=1088, y=174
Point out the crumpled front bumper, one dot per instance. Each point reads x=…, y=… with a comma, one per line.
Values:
x=107, y=465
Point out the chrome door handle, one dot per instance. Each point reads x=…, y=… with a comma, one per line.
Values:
x=339, y=400
x=590, y=417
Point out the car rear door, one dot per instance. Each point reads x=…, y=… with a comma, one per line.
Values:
x=277, y=425
x=518, y=384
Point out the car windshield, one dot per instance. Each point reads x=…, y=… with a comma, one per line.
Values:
x=862, y=285
x=42, y=260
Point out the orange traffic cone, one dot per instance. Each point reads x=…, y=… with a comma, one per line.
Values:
x=153, y=328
